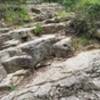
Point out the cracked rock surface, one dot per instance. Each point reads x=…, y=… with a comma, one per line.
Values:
x=44, y=66
x=64, y=81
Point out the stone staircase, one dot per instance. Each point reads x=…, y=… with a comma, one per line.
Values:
x=23, y=53
x=21, y=48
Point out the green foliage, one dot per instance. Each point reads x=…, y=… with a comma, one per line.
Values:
x=87, y=11
x=80, y=42
x=12, y=88
x=61, y=14
x=87, y=7
x=13, y=1
x=81, y=25
x=13, y=12
x=83, y=40
x=90, y=8
x=16, y=16
x=51, y=1
x=38, y=30
x=69, y=4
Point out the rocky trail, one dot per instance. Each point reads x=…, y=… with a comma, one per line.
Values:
x=38, y=60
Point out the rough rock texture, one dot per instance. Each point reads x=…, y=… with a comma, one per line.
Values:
x=97, y=34
x=4, y=30
x=45, y=11
x=17, y=62
x=10, y=43
x=3, y=73
x=19, y=34
x=66, y=81
x=53, y=28
x=40, y=48
x=3, y=38
x=36, y=62
x=63, y=47
x=13, y=79
x=28, y=55
x=10, y=52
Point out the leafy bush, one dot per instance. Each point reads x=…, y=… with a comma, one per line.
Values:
x=81, y=25
x=90, y=8
x=70, y=4
x=13, y=1
x=87, y=11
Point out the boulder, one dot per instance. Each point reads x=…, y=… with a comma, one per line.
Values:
x=40, y=48
x=63, y=47
x=28, y=55
x=65, y=81
x=15, y=63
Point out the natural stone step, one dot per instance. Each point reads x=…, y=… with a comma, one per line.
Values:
x=10, y=52
x=4, y=38
x=47, y=28
x=10, y=43
x=15, y=63
x=4, y=30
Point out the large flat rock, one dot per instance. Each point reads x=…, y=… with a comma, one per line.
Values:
x=65, y=81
